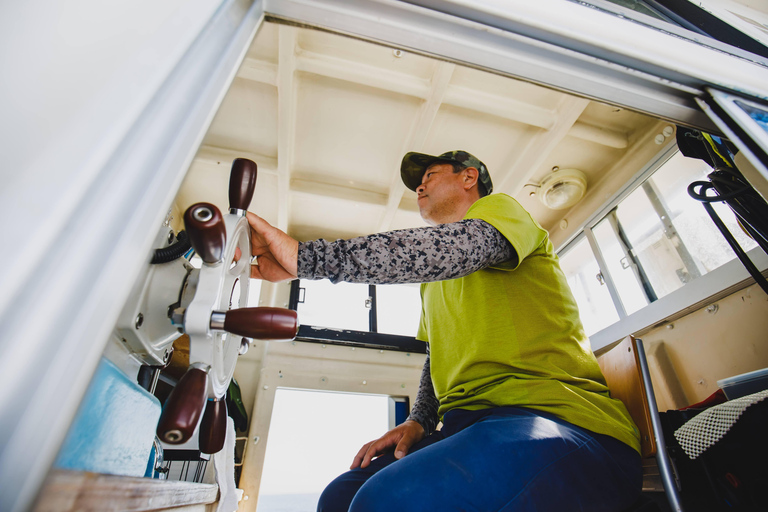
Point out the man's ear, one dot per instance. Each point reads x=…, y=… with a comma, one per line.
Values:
x=470, y=177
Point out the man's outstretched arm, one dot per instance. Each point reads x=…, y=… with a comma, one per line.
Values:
x=416, y=255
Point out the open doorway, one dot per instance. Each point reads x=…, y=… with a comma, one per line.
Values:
x=313, y=437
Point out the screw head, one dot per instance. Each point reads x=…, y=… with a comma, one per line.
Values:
x=139, y=320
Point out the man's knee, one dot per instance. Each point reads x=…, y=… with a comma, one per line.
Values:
x=373, y=497
x=339, y=493
x=388, y=492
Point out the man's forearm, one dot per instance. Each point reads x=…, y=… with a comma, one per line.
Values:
x=414, y=255
x=424, y=410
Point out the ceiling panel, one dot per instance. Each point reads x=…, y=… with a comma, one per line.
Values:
x=609, y=117
x=351, y=109
x=488, y=83
x=264, y=46
x=247, y=119
x=341, y=218
x=350, y=132
x=205, y=182
x=208, y=181
x=492, y=139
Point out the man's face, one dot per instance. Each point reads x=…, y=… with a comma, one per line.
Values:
x=439, y=194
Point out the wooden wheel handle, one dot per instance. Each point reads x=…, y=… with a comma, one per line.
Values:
x=213, y=426
x=206, y=230
x=242, y=181
x=183, y=407
x=262, y=323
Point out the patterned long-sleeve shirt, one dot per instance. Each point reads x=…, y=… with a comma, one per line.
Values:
x=418, y=255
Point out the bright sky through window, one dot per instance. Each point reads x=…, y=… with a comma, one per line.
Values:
x=313, y=437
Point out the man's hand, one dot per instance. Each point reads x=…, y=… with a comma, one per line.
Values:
x=276, y=253
x=402, y=437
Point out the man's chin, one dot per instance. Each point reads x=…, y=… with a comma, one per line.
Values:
x=425, y=217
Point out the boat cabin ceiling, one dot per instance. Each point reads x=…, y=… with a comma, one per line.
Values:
x=328, y=118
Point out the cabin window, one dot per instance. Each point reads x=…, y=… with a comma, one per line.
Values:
x=390, y=309
x=374, y=316
x=335, y=306
x=398, y=307
x=649, y=243
x=307, y=423
x=588, y=286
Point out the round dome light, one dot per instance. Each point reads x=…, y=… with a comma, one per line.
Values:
x=562, y=189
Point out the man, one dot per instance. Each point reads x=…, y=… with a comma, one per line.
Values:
x=528, y=423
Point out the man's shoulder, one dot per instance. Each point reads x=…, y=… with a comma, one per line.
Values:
x=497, y=204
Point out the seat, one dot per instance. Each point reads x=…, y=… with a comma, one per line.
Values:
x=626, y=372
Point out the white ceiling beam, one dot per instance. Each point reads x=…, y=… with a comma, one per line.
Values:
x=362, y=74
x=441, y=79
x=525, y=164
x=604, y=136
x=258, y=70
x=216, y=154
x=308, y=187
x=286, y=119
x=500, y=106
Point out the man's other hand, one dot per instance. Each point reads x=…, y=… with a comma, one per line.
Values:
x=276, y=253
x=402, y=437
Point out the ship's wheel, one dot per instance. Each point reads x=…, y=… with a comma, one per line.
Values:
x=212, y=313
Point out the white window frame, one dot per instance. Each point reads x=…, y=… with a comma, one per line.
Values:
x=711, y=287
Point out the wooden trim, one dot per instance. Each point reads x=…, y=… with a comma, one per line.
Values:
x=82, y=491
x=621, y=368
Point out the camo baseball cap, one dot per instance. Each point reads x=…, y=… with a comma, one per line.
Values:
x=415, y=164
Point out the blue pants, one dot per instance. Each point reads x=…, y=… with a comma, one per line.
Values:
x=503, y=459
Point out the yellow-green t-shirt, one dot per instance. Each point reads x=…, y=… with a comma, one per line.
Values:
x=511, y=335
